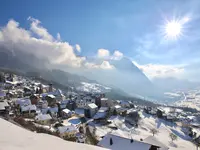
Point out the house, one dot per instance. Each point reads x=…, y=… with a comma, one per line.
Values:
x=51, y=99
x=115, y=142
x=2, y=95
x=28, y=109
x=34, y=99
x=66, y=113
x=132, y=118
x=105, y=102
x=100, y=116
x=124, y=104
x=160, y=112
x=91, y=110
x=71, y=105
x=4, y=107
x=67, y=131
x=21, y=102
x=43, y=119
x=42, y=104
x=155, y=143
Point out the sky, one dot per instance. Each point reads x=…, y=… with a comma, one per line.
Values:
x=74, y=30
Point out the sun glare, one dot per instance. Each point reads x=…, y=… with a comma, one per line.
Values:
x=173, y=29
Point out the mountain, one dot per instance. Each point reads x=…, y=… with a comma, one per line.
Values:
x=125, y=76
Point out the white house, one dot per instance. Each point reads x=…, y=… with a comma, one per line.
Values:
x=93, y=108
x=66, y=113
x=114, y=142
x=43, y=119
x=28, y=109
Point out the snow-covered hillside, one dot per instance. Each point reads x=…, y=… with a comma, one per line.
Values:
x=13, y=137
x=143, y=131
x=92, y=87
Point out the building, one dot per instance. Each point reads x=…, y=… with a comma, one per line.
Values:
x=101, y=115
x=34, y=99
x=66, y=113
x=154, y=141
x=28, y=109
x=114, y=142
x=71, y=105
x=91, y=110
x=43, y=119
x=4, y=107
x=132, y=118
x=67, y=131
x=51, y=99
x=105, y=102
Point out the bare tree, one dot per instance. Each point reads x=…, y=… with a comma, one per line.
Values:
x=173, y=136
x=154, y=131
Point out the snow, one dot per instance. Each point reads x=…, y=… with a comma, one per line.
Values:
x=67, y=111
x=92, y=87
x=143, y=131
x=79, y=111
x=17, y=138
x=42, y=117
x=51, y=96
x=92, y=105
x=120, y=143
x=22, y=102
x=65, y=129
x=28, y=108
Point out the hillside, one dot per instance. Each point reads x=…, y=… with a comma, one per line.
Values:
x=17, y=138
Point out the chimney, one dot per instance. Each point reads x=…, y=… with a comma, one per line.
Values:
x=111, y=141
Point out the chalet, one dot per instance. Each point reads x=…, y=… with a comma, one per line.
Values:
x=34, y=99
x=28, y=109
x=43, y=119
x=4, y=107
x=114, y=142
x=66, y=113
x=105, y=102
x=155, y=143
x=2, y=95
x=67, y=131
x=160, y=112
x=91, y=110
x=22, y=102
x=71, y=105
x=51, y=99
x=100, y=116
x=132, y=118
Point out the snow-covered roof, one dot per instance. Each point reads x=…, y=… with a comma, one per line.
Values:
x=2, y=94
x=104, y=99
x=28, y=108
x=103, y=109
x=69, y=128
x=3, y=104
x=120, y=143
x=117, y=106
x=92, y=105
x=17, y=138
x=66, y=111
x=99, y=115
x=154, y=141
x=42, y=117
x=51, y=96
x=22, y=102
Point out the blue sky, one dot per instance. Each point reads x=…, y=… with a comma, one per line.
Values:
x=133, y=27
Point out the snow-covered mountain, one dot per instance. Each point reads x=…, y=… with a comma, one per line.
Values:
x=93, y=88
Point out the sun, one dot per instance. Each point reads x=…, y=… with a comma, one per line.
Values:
x=173, y=29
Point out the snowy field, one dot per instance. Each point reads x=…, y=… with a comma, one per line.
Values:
x=143, y=131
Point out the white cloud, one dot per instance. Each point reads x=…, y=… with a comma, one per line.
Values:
x=39, y=30
x=103, y=65
x=117, y=55
x=58, y=37
x=103, y=53
x=45, y=47
x=78, y=48
x=161, y=71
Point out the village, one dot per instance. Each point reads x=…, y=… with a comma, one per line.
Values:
x=92, y=118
